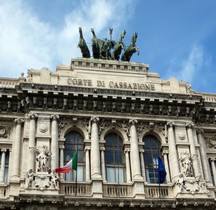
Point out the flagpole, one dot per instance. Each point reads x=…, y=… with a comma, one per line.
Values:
x=76, y=183
x=159, y=178
x=76, y=171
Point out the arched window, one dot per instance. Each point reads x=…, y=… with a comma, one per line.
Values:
x=114, y=159
x=151, y=148
x=75, y=140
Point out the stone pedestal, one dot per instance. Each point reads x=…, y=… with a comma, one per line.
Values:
x=138, y=189
x=97, y=188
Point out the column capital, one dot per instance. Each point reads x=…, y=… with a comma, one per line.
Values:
x=127, y=150
x=54, y=117
x=94, y=119
x=141, y=150
x=190, y=125
x=3, y=150
x=19, y=120
x=33, y=116
x=171, y=124
x=212, y=159
x=165, y=152
x=200, y=131
x=133, y=121
x=102, y=148
x=62, y=146
x=87, y=148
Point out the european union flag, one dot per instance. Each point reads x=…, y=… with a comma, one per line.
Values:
x=161, y=171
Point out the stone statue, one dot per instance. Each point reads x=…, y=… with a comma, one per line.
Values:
x=53, y=179
x=83, y=46
x=30, y=178
x=131, y=49
x=186, y=165
x=42, y=158
x=118, y=47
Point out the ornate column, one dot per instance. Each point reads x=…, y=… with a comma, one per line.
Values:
x=16, y=148
x=32, y=131
x=102, y=149
x=54, y=142
x=212, y=161
x=97, y=190
x=204, y=158
x=138, y=185
x=136, y=173
x=2, y=170
x=193, y=149
x=95, y=153
x=143, y=164
x=61, y=159
x=166, y=164
x=173, y=159
x=87, y=150
x=127, y=160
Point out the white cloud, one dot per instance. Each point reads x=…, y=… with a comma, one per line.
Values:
x=28, y=42
x=98, y=14
x=193, y=64
x=24, y=40
x=188, y=69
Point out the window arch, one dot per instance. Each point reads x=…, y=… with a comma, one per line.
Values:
x=114, y=159
x=152, y=150
x=75, y=140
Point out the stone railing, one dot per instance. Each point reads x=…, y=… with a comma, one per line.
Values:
x=8, y=83
x=114, y=190
x=209, y=97
x=79, y=189
x=4, y=191
x=156, y=191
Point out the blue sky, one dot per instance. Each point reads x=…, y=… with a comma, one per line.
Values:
x=176, y=38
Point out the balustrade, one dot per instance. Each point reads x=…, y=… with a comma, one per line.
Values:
x=79, y=189
x=114, y=190
x=4, y=191
x=157, y=191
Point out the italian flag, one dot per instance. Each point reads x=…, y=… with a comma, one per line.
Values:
x=72, y=164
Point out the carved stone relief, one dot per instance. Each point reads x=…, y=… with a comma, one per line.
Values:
x=211, y=141
x=186, y=182
x=41, y=181
x=63, y=123
x=4, y=131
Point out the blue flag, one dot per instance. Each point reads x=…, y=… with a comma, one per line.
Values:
x=161, y=171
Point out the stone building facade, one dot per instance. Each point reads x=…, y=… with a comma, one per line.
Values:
x=120, y=117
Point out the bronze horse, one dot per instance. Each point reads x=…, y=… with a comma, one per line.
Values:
x=118, y=47
x=96, y=45
x=83, y=46
x=106, y=47
x=131, y=49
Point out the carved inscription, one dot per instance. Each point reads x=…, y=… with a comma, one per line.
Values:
x=111, y=84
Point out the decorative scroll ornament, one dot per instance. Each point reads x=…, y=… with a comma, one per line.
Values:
x=63, y=123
